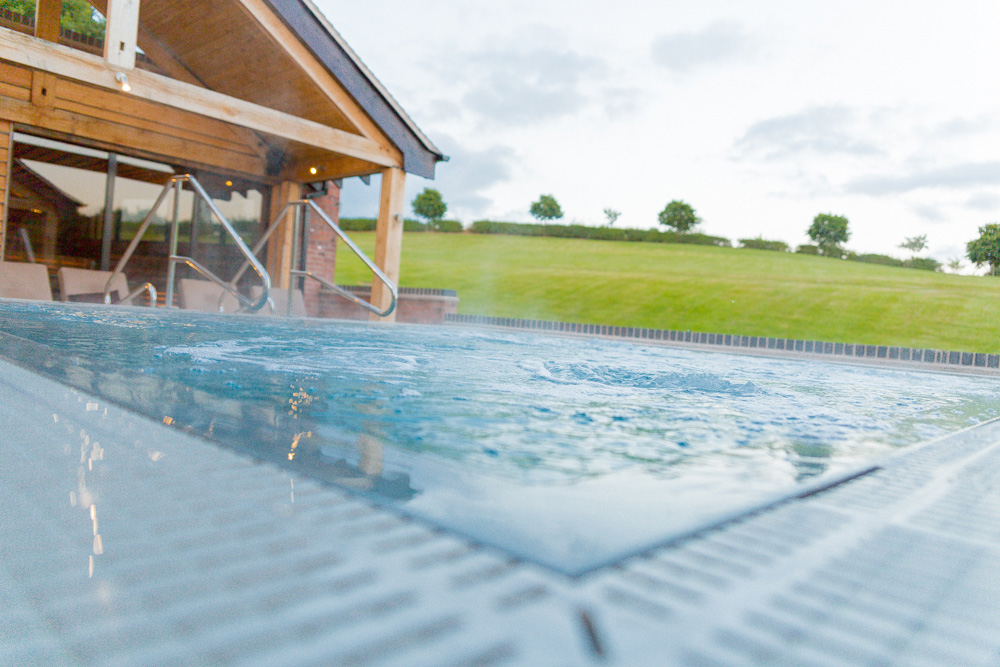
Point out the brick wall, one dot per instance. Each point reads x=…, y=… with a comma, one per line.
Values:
x=321, y=250
x=416, y=305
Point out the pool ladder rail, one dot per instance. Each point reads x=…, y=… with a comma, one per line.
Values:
x=175, y=184
x=300, y=210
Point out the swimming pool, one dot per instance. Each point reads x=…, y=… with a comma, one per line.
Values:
x=569, y=452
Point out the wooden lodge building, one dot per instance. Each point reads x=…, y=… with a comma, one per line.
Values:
x=261, y=100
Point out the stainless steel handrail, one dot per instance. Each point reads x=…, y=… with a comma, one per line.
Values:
x=26, y=240
x=145, y=287
x=308, y=204
x=176, y=183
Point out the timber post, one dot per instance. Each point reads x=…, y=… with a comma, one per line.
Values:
x=388, y=238
x=48, y=14
x=279, y=247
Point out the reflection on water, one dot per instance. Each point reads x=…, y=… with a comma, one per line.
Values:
x=91, y=455
x=563, y=450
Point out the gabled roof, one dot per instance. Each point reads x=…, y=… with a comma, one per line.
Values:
x=307, y=21
x=331, y=117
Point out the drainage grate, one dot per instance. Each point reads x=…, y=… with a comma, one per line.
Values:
x=204, y=558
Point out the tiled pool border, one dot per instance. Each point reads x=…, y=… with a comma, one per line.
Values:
x=887, y=353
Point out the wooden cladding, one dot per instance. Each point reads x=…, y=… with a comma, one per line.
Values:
x=117, y=121
x=6, y=139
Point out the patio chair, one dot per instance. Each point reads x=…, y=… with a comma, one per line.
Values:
x=19, y=280
x=203, y=295
x=279, y=297
x=87, y=285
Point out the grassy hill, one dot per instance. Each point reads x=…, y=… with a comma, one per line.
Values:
x=720, y=290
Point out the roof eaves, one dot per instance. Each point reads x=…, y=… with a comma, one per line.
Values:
x=317, y=33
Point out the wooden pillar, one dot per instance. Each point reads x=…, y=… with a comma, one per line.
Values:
x=279, y=248
x=107, y=229
x=47, y=16
x=6, y=155
x=121, y=33
x=51, y=229
x=388, y=238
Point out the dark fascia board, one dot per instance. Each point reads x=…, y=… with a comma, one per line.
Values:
x=419, y=155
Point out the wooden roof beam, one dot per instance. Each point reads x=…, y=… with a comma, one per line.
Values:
x=74, y=64
x=290, y=43
x=171, y=65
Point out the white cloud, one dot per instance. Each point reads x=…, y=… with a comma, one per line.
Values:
x=957, y=176
x=823, y=130
x=984, y=201
x=761, y=114
x=719, y=43
x=527, y=86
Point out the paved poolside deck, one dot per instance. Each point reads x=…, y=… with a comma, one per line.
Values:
x=127, y=542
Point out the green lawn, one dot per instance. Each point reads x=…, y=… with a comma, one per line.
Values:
x=720, y=290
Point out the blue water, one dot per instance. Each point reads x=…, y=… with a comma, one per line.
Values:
x=569, y=452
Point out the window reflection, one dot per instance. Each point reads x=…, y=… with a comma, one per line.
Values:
x=79, y=207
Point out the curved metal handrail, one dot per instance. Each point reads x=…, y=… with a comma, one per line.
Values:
x=175, y=183
x=393, y=290
x=145, y=287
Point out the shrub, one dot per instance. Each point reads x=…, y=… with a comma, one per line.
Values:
x=807, y=249
x=762, y=244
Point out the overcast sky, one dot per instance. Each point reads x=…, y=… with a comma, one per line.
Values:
x=759, y=113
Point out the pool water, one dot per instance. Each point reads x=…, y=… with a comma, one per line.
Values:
x=570, y=452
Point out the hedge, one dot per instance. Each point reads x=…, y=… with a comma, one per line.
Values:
x=762, y=244
x=409, y=225
x=923, y=263
x=873, y=258
x=595, y=233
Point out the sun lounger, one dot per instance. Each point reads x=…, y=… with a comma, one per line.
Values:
x=87, y=286
x=19, y=280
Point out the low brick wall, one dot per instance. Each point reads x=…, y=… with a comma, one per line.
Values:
x=733, y=341
x=416, y=305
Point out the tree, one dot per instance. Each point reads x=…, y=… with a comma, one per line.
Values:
x=955, y=264
x=986, y=249
x=612, y=215
x=23, y=7
x=546, y=208
x=679, y=215
x=914, y=243
x=829, y=231
x=430, y=205
x=77, y=15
